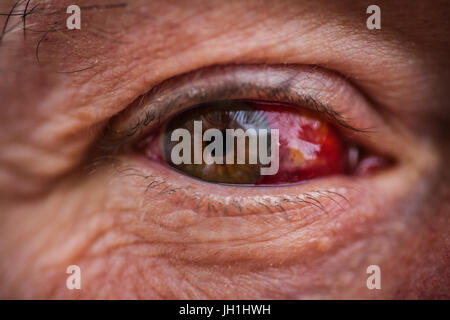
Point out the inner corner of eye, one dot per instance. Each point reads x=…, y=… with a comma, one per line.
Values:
x=251, y=142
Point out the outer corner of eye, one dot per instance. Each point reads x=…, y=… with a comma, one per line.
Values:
x=259, y=143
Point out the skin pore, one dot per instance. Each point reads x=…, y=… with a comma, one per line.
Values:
x=139, y=230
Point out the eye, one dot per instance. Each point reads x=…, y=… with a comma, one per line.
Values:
x=339, y=139
x=330, y=139
x=252, y=142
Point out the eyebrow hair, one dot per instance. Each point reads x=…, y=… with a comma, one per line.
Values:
x=44, y=25
x=13, y=13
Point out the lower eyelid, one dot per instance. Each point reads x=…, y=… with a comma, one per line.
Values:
x=321, y=196
x=208, y=205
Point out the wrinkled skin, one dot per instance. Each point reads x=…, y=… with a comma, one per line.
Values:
x=133, y=243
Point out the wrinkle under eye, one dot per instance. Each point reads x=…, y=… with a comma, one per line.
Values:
x=308, y=146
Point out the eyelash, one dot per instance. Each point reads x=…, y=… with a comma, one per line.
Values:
x=205, y=204
x=306, y=101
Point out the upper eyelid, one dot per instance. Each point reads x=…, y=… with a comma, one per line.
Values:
x=147, y=118
x=179, y=93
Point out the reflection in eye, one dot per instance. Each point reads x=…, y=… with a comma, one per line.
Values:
x=308, y=147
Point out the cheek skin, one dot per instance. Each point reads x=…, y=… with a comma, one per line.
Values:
x=129, y=244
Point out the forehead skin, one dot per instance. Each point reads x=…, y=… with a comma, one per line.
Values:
x=58, y=87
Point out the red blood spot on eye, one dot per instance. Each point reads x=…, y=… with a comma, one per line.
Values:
x=309, y=147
